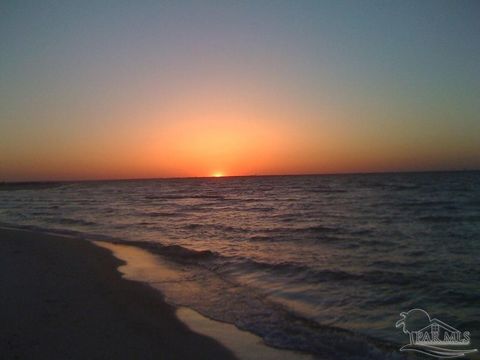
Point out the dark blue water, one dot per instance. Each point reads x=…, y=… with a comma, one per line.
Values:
x=293, y=258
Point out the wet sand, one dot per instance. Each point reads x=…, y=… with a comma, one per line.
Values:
x=62, y=298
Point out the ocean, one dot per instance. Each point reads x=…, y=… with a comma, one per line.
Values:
x=323, y=264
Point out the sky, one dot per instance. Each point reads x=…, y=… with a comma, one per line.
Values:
x=142, y=89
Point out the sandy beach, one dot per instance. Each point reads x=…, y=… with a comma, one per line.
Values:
x=62, y=298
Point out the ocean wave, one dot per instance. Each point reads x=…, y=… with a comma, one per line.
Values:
x=391, y=186
x=312, y=229
x=389, y=264
x=155, y=214
x=319, y=229
x=328, y=191
x=226, y=229
x=260, y=209
x=172, y=252
x=181, y=252
x=228, y=264
x=182, y=197
x=424, y=204
x=439, y=218
x=72, y=221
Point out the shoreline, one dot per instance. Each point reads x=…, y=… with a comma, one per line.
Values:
x=143, y=266
x=224, y=338
x=63, y=297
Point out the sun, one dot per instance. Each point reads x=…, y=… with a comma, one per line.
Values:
x=217, y=174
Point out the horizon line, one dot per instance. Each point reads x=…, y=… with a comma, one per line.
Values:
x=237, y=176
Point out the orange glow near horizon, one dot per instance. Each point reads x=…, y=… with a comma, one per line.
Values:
x=215, y=131
x=168, y=89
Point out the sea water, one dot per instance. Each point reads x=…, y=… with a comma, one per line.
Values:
x=322, y=264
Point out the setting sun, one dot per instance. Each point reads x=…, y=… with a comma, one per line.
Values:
x=217, y=174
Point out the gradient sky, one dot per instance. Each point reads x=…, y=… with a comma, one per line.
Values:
x=132, y=89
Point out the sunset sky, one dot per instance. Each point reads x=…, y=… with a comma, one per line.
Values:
x=135, y=89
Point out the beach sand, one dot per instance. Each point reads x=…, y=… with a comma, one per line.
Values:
x=62, y=298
